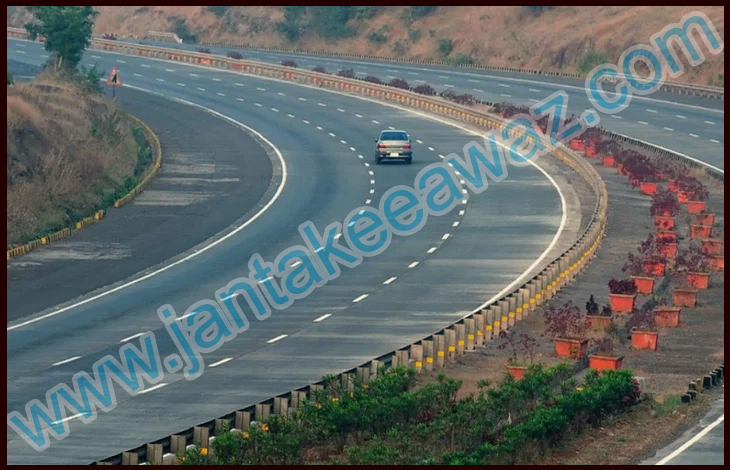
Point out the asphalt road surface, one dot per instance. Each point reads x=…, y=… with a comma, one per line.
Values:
x=418, y=285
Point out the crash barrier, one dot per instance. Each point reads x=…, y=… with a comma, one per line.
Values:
x=714, y=378
x=668, y=86
x=433, y=351
x=98, y=215
x=151, y=138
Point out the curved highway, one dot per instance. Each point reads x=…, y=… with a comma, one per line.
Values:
x=415, y=287
x=690, y=125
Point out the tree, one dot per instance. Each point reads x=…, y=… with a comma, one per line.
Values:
x=67, y=32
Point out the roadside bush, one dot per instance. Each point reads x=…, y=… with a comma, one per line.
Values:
x=234, y=55
x=377, y=36
x=414, y=34
x=218, y=11
x=372, y=79
x=319, y=69
x=425, y=89
x=590, y=59
x=289, y=63
x=462, y=59
x=346, y=73
x=203, y=50
x=399, y=83
x=446, y=46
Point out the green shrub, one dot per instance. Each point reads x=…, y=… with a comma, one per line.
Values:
x=10, y=78
x=432, y=33
x=462, y=59
x=218, y=11
x=446, y=46
x=414, y=34
x=330, y=22
x=364, y=13
x=180, y=27
x=377, y=37
x=418, y=12
x=537, y=11
x=591, y=59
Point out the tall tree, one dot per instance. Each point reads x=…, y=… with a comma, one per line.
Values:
x=67, y=32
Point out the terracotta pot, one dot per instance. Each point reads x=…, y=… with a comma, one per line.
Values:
x=666, y=236
x=684, y=297
x=705, y=219
x=700, y=231
x=591, y=151
x=644, y=340
x=717, y=262
x=621, y=303
x=517, y=372
x=621, y=170
x=668, y=250
x=696, y=207
x=672, y=186
x=683, y=197
x=644, y=285
x=576, y=144
x=609, y=160
x=571, y=348
x=597, y=362
x=664, y=223
x=699, y=280
x=667, y=317
x=655, y=268
x=665, y=213
x=712, y=246
x=648, y=188
x=599, y=322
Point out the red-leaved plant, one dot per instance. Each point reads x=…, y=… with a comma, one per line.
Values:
x=664, y=203
x=642, y=320
x=523, y=345
x=648, y=252
x=622, y=286
x=566, y=322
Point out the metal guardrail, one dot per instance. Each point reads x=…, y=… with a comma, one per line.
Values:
x=434, y=350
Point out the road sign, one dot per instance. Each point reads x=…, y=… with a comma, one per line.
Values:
x=114, y=79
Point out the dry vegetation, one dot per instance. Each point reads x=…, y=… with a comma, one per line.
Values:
x=69, y=153
x=565, y=38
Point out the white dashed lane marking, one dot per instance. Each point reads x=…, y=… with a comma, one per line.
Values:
x=221, y=362
x=653, y=111
x=201, y=89
x=680, y=116
x=710, y=123
x=216, y=79
x=715, y=141
x=534, y=90
x=305, y=121
x=179, y=84
x=644, y=123
x=360, y=298
x=390, y=281
x=220, y=94
x=143, y=65
x=66, y=361
x=616, y=117
x=431, y=250
x=413, y=265
x=694, y=135
x=258, y=105
x=128, y=338
x=278, y=338
x=137, y=74
x=321, y=104
x=151, y=389
x=260, y=89
x=669, y=129
x=322, y=318
x=193, y=74
x=160, y=79
x=505, y=95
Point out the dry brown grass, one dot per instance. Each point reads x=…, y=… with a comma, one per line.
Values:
x=493, y=35
x=66, y=154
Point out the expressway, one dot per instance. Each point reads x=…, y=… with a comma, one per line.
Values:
x=418, y=285
x=691, y=125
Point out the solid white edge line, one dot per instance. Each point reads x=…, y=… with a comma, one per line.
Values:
x=255, y=217
x=689, y=443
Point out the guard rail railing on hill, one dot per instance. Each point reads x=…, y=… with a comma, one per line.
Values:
x=432, y=352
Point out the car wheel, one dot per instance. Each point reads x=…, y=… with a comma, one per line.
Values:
x=378, y=160
x=409, y=160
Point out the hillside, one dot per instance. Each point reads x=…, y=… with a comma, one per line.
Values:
x=69, y=153
x=561, y=38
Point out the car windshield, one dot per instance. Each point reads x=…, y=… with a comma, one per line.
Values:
x=393, y=136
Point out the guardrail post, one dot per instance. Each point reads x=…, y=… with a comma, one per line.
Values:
x=440, y=343
x=374, y=365
x=130, y=458
x=281, y=406
x=348, y=382
x=363, y=375
x=533, y=290
x=428, y=354
x=154, y=453
x=200, y=436
x=479, y=328
x=262, y=411
x=417, y=355
x=242, y=420
x=450, y=343
x=509, y=316
x=460, y=338
x=178, y=444
x=470, y=330
x=525, y=301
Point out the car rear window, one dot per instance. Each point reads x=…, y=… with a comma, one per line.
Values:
x=393, y=136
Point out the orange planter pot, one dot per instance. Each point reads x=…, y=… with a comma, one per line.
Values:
x=621, y=303
x=609, y=160
x=700, y=231
x=621, y=170
x=712, y=246
x=696, y=207
x=577, y=144
x=644, y=285
x=669, y=250
x=644, y=340
x=667, y=317
x=648, y=188
x=571, y=348
x=664, y=223
x=699, y=280
x=682, y=197
x=597, y=362
x=517, y=372
x=705, y=219
x=666, y=236
x=684, y=297
x=672, y=186
x=717, y=263
x=599, y=322
x=591, y=151
x=655, y=268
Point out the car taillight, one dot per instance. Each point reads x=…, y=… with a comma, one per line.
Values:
x=381, y=146
x=407, y=146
